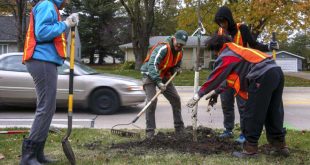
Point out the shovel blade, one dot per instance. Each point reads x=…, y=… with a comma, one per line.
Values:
x=68, y=151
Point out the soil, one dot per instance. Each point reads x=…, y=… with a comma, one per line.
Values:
x=208, y=142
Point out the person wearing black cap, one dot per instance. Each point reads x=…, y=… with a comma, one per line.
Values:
x=164, y=59
x=241, y=35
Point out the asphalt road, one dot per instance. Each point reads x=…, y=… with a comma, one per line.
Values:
x=296, y=103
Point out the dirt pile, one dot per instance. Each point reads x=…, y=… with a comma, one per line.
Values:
x=208, y=142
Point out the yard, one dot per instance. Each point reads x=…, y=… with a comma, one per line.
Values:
x=97, y=147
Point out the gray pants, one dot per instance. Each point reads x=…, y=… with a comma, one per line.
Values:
x=171, y=95
x=45, y=76
x=228, y=101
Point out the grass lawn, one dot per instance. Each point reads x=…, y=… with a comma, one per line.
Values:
x=187, y=76
x=93, y=147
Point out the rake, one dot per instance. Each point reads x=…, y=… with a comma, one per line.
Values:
x=135, y=134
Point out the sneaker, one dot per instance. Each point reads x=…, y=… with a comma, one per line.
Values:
x=226, y=134
x=240, y=139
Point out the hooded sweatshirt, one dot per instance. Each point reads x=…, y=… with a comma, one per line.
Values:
x=47, y=27
x=247, y=38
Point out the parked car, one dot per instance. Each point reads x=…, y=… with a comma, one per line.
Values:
x=100, y=93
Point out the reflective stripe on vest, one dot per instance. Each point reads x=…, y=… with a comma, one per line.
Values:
x=30, y=41
x=168, y=62
x=238, y=38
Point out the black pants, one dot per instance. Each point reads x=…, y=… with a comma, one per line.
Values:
x=227, y=102
x=265, y=107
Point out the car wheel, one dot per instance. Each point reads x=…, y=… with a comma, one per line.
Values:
x=104, y=101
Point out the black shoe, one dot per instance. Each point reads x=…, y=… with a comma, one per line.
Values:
x=29, y=150
x=40, y=154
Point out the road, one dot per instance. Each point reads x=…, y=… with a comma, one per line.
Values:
x=296, y=104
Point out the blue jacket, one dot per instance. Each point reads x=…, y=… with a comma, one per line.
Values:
x=47, y=27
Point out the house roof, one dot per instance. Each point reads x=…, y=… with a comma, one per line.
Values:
x=8, y=29
x=290, y=54
x=287, y=53
x=191, y=42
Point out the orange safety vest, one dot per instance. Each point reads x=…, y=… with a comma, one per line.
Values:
x=250, y=55
x=168, y=62
x=30, y=41
x=237, y=38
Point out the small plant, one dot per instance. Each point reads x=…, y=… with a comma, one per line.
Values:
x=128, y=65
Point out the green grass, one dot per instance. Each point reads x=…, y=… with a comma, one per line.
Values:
x=187, y=76
x=92, y=147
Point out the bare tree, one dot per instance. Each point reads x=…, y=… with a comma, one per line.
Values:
x=141, y=14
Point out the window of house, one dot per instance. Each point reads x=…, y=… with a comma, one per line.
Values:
x=4, y=48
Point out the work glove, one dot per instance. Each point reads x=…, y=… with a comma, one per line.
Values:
x=213, y=100
x=161, y=86
x=177, y=70
x=72, y=20
x=273, y=45
x=193, y=101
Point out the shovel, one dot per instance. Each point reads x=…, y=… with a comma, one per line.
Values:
x=133, y=134
x=65, y=141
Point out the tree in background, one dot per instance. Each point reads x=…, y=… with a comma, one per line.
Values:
x=100, y=28
x=262, y=17
x=17, y=8
x=141, y=14
x=166, y=12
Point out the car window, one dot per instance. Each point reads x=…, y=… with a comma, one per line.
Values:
x=61, y=69
x=13, y=63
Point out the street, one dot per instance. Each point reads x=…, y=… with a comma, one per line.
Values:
x=296, y=105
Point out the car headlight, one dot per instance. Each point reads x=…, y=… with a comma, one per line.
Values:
x=135, y=88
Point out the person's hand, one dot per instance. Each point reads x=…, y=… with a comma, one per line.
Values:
x=162, y=87
x=273, y=45
x=178, y=70
x=72, y=20
x=193, y=101
x=213, y=100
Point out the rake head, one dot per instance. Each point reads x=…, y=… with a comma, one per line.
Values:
x=124, y=133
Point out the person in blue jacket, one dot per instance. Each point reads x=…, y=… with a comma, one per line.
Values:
x=45, y=49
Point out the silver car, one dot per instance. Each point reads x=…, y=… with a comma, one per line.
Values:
x=101, y=93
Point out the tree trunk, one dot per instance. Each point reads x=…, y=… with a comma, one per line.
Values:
x=142, y=21
x=21, y=6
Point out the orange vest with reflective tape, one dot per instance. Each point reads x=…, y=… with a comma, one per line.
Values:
x=168, y=62
x=250, y=55
x=30, y=41
x=238, y=37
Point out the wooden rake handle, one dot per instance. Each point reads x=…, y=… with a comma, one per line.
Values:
x=152, y=100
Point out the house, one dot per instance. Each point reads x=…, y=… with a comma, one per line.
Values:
x=8, y=37
x=289, y=62
x=189, y=52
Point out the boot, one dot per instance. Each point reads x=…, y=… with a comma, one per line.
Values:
x=179, y=130
x=40, y=154
x=29, y=150
x=277, y=149
x=150, y=134
x=250, y=150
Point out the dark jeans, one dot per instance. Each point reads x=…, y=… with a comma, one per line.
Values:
x=172, y=96
x=265, y=107
x=228, y=101
x=45, y=76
